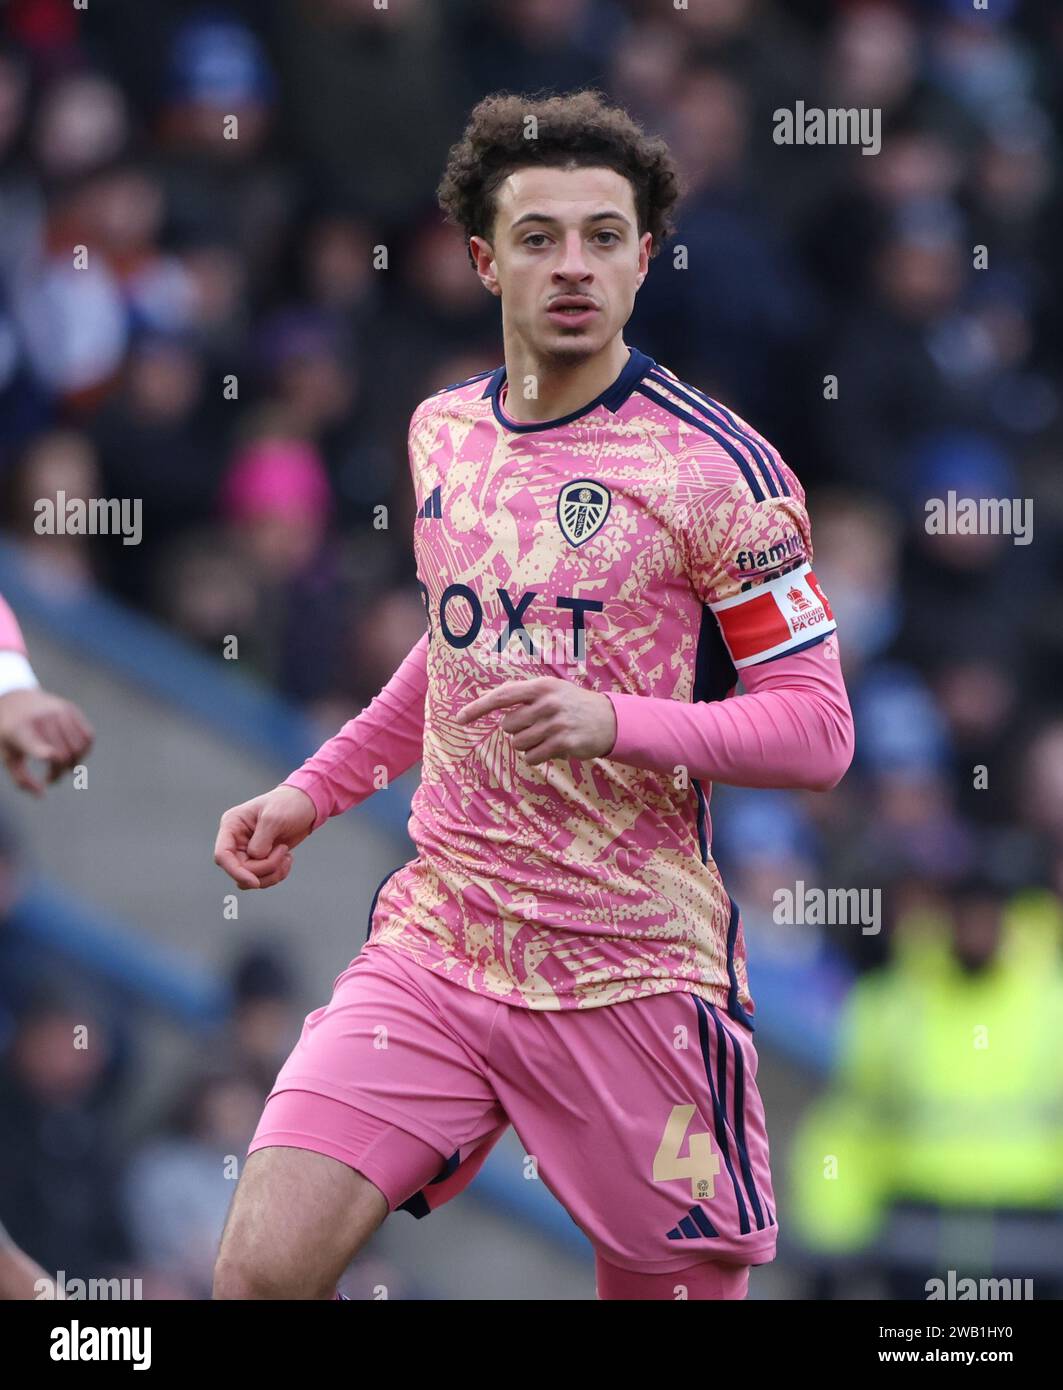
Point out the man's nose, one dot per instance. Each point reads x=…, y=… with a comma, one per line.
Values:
x=573, y=264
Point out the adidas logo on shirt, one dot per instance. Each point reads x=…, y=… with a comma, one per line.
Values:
x=432, y=505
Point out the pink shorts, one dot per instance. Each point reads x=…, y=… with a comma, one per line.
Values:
x=643, y=1118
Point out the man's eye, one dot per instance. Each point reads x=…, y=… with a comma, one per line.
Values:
x=615, y=235
x=533, y=236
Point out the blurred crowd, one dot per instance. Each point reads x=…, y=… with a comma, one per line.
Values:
x=85, y=1187
x=99, y=1178
x=259, y=316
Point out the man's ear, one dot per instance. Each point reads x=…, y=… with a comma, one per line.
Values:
x=483, y=254
x=645, y=249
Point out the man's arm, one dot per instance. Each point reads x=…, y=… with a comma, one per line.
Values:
x=255, y=839
x=388, y=734
x=33, y=722
x=793, y=728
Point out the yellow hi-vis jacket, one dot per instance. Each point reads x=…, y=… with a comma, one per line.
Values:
x=948, y=1088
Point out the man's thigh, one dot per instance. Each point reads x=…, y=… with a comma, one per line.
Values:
x=297, y=1220
x=396, y=1043
x=646, y=1123
x=387, y=1081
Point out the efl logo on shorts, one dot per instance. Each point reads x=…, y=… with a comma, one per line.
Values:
x=582, y=507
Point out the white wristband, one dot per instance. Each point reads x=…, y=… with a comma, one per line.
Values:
x=16, y=673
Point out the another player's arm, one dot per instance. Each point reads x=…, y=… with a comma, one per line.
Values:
x=255, y=839
x=33, y=722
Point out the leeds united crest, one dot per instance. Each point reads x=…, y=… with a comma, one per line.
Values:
x=582, y=507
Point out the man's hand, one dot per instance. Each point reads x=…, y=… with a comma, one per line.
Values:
x=551, y=718
x=256, y=839
x=35, y=724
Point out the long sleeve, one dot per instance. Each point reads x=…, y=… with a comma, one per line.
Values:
x=388, y=733
x=16, y=673
x=793, y=727
x=747, y=550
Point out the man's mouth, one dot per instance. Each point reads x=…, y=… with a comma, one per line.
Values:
x=571, y=308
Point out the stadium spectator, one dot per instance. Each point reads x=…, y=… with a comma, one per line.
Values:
x=938, y=1144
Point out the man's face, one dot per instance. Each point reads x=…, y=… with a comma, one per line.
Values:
x=564, y=237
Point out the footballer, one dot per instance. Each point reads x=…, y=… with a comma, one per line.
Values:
x=33, y=724
x=603, y=552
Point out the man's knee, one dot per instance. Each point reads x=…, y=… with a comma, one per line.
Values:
x=239, y=1277
x=253, y=1264
x=244, y=1271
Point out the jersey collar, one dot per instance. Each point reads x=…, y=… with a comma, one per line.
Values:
x=613, y=397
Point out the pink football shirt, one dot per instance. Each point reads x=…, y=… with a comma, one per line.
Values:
x=651, y=544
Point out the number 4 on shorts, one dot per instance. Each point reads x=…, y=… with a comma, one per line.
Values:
x=701, y=1163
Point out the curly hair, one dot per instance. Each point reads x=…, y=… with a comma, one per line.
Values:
x=576, y=130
